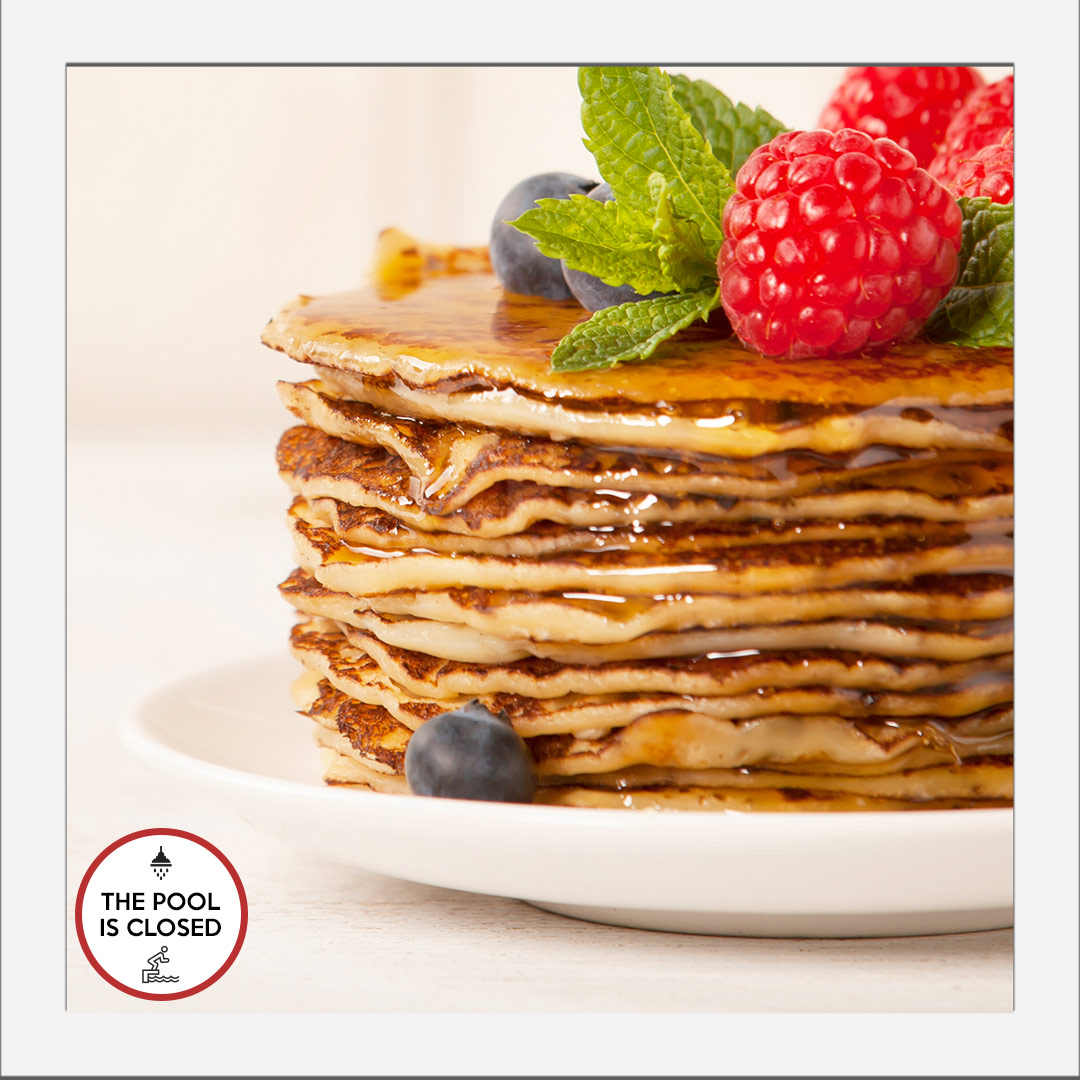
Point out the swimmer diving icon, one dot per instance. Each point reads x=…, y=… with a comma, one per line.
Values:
x=151, y=974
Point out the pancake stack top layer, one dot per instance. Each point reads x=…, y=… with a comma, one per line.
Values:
x=713, y=581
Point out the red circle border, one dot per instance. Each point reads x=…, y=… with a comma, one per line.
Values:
x=184, y=836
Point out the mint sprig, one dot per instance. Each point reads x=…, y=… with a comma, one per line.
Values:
x=684, y=254
x=630, y=331
x=732, y=130
x=634, y=128
x=654, y=140
x=978, y=311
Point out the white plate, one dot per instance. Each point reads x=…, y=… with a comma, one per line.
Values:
x=232, y=733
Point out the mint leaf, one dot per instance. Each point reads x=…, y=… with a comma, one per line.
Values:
x=732, y=130
x=590, y=237
x=978, y=310
x=634, y=128
x=630, y=331
x=682, y=252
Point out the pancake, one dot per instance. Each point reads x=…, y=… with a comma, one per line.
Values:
x=341, y=770
x=327, y=653
x=461, y=350
x=597, y=618
x=372, y=733
x=976, y=778
x=508, y=509
x=739, y=428
x=696, y=565
x=320, y=465
x=451, y=463
x=863, y=757
x=708, y=675
x=816, y=744
x=959, y=641
x=346, y=771
x=373, y=478
x=367, y=527
x=801, y=800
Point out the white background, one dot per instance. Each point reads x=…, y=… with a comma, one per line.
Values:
x=135, y=577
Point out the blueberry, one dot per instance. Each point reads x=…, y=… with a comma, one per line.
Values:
x=517, y=264
x=589, y=291
x=470, y=753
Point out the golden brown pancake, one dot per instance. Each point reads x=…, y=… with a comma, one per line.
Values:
x=693, y=566
x=320, y=465
x=374, y=479
x=801, y=800
x=326, y=652
x=344, y=770
x=989, y=778
x=596, y=618
x=708, y=675
x=451, y=463
x=366, y=527
x=372, y=733
x=958, y=641
x=816, y=744
x=459, y=349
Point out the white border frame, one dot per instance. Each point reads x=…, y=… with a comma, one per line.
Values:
x=40, y=37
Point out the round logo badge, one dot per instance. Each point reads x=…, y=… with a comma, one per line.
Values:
x=161, y=914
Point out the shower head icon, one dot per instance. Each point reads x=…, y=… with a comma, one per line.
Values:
x=160, y=864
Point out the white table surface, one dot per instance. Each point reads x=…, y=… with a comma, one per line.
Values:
x=175, y=545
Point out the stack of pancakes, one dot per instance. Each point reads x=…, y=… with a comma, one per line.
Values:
x=709, y=581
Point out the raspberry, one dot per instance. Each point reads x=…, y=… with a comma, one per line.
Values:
x=834, y=242
x=985, y=117
x=988, y=172
x=910, y=105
